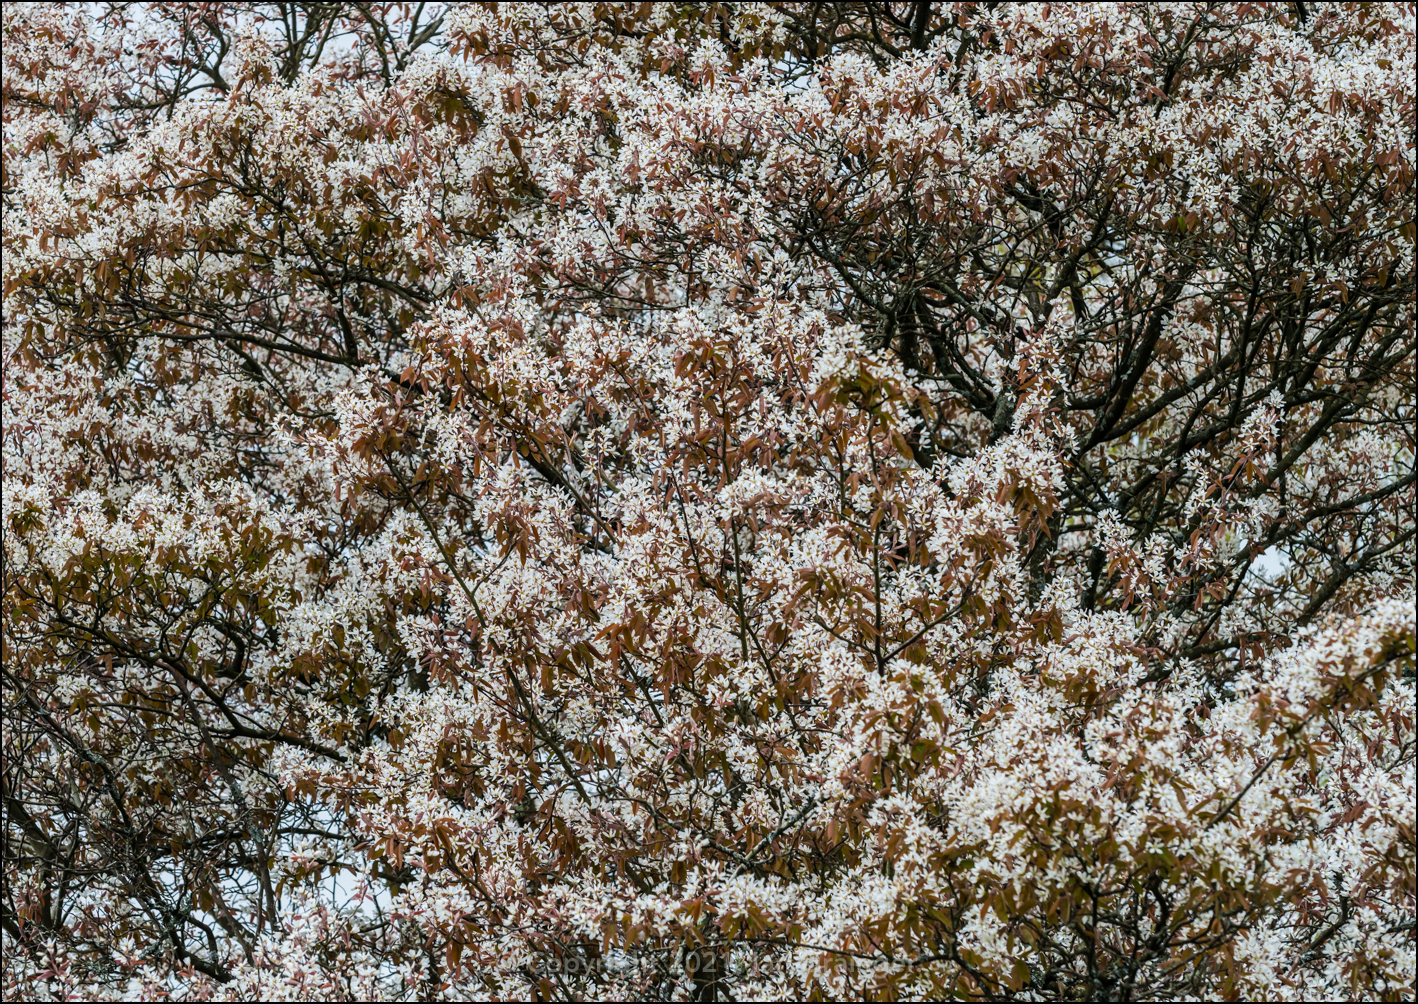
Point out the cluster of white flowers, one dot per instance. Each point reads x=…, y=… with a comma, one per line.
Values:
x=642, y=500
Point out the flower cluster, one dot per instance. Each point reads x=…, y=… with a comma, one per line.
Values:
x=680, y=501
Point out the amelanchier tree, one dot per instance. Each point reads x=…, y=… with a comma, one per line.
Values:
x=698, y=501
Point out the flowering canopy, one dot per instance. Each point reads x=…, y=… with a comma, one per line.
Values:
x=695, y=501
